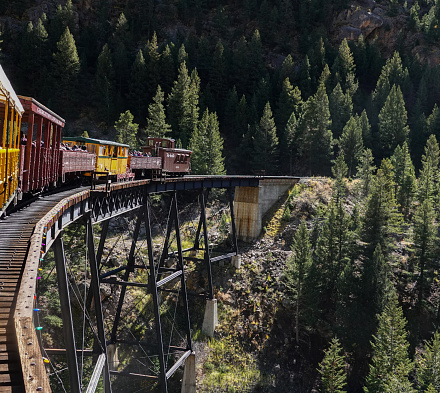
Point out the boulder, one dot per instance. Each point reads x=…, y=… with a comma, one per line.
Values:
x=366, y=21
x=349, y=33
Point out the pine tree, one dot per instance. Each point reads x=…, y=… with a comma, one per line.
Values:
x=428, y=182
x=121, y=68
x=428, y=365
x=365, y=170
x=126, y=130
x=64, y=18
x=138, y=86
x=366, y=128
x=316, y=137
x=390, y=364
x=381, y=218
x=105, y=82
x=341, y=107
x=296, y=270
x=425, y=245
x=351, y=144
x=265, y=156
x=218, y=75
x=207, y=147
x=183, y=109
x=156, y=121
x=255, y=63
x=344, y=69
x=152, y=58
x=393, y=128
x=287, y=69
x=167, y=69
x=66, y=68
x=405, y=179
x=332, y=369
x=333, y=246
x=288, y=102
x=392, y=74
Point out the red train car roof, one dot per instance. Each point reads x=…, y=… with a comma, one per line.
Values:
x=32, y=105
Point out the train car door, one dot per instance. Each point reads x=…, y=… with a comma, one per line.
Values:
x=114, y=157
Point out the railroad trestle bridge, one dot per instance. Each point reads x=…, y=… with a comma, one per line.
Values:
x=28, y=235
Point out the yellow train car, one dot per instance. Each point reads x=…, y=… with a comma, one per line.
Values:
x=111, y=157
x=11, y=112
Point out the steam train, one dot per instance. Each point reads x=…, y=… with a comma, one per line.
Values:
x=35, y=156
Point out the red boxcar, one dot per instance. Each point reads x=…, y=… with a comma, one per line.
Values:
x=40, y=145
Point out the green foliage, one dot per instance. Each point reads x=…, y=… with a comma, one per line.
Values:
x=53, y=321
x=425, y=245
x=351, y=144
x=126, y=130
x=341, y=108
x=314, y=134
x=332, y=369
x=297, y=268
x=105, y=82
x=183, y=109
x=207, y=147
x=156, y=120
x=393, y=128
x=138, y=85
x=344, y=69
x=404, y=178
x=392, y=74
x=381, y=218
x=429, y=179
x=265, y=153
x=390, y=364
x=428, y=365
x=365, y=170
x=66, y=67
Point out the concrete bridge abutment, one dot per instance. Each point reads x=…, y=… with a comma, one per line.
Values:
x=252, y=203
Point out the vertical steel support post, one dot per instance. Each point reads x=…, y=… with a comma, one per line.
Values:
x=102, y=239
x=182, y=267
x=167, y=238
x=129, y=268
x=98, y=257
x=199, y=227
x=97, y=298
x=234, y=230
x=205, y=238
x=66, y=313
x=153, y=277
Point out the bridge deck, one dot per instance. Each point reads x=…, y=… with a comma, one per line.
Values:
x=15, y=232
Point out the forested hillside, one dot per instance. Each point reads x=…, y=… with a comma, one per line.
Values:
x=295, y=81
x=347, y=89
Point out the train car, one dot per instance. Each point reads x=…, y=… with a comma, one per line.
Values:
x=11, y=112
x=41, y=132
x=111, y=157
x=175, y=162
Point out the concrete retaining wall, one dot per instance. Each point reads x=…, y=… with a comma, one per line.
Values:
x=252, y=203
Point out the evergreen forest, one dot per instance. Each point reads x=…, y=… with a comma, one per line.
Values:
x=274, y=87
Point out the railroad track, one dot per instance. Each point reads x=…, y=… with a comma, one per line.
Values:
x=15, y=233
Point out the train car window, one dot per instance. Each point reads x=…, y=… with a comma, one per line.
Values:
x=101, y=150
x=115, y=151
x=150, y=142
x=164, y=143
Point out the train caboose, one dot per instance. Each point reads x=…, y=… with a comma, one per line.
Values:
x=175, y=162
